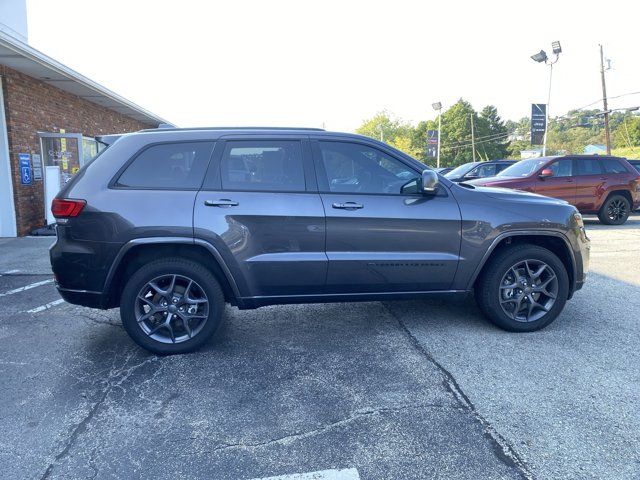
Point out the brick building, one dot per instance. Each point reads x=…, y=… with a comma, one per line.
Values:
x=49, y=118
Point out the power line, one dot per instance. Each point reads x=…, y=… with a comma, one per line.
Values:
x=469, y=144
x=493, y=135
x=600, y=100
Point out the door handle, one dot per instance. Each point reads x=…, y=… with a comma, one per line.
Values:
x=223, y=202
x=348, y=205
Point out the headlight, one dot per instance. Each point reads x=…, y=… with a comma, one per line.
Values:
x=578, y=219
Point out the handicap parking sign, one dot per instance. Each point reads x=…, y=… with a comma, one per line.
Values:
x=25, y=175
x=25, y=168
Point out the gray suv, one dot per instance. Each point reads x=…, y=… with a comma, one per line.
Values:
x=171, y=224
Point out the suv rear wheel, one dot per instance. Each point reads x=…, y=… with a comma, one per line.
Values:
x=523, y=288
x=615, y=210
x=171, y=306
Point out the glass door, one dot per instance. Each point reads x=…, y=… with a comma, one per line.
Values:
x=62, y=156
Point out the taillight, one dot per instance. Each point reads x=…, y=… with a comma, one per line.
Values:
x=67, y=207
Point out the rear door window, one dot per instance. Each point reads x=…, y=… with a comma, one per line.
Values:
x=611, y=165
x=589, y=166
x=266, y=165
x=179, y=166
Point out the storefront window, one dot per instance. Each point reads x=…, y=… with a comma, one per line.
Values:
x=90, y=148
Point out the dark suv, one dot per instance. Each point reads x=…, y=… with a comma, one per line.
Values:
x=474, y=170
x=170, y=224
x=606, y=186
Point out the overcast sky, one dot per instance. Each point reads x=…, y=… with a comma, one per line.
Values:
x=337, y=63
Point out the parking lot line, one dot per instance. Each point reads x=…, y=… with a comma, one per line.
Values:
x=346, y=474
x=9, y=272
x=46, y=306
x=26, y=287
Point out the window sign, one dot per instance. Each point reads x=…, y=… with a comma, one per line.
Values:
x=37, y=167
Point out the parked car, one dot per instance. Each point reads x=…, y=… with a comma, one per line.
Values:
x=167, y=226
x=603, y=185
x=474, y=170
x=443, y=170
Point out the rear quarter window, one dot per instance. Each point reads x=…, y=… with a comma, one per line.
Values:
x=168, y=166
x=611, y=165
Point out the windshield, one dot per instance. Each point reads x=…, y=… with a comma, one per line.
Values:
x=523, y=168
x=460, y=171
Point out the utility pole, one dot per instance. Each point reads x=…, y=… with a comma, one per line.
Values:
x=607, y=134
x=473, y=139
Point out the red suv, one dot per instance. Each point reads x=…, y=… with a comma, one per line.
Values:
x=607, y=186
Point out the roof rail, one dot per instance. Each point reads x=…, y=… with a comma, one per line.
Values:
x=173, y=128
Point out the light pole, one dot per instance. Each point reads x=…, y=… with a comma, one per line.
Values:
x=438, y=107
x=541, y=57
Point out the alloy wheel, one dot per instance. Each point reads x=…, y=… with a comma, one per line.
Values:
x=617, y=210
x=171, y=308
x=528, y=290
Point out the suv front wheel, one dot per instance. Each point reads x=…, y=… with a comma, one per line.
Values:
x=171, y=306
x=523, y=288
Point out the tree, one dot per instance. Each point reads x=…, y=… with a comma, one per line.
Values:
x=492, y=134
x=455, y=139
x=387, y=128
x=627, y=132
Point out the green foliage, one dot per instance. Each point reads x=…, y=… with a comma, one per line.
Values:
x=627, y=132
x=387, y=128
x=492, y=134
x=496, y=139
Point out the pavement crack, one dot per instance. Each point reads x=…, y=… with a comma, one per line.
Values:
x=77, y=431
x=503, y=449
x=114, y=379
x=294, y=437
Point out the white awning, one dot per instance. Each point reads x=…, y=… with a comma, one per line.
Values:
x=25, y=59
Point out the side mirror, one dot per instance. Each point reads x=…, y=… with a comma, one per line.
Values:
x=546, y=173
x=430, y=182
x=472, y=175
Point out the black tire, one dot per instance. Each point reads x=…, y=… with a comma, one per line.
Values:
x=206, y=285
x=615, y=210
x=489, y=286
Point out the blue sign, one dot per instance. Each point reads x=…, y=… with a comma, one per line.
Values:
x=25, y=168
x=432, y=143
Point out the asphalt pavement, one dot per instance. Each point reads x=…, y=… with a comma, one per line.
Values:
x=378, y=390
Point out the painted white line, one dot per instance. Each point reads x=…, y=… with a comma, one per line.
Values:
x=46, y=306
x=347, y=474
x=26, y=287
x=9, y=272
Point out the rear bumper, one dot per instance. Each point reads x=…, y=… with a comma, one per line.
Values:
x=80, y=267
x=84, y=298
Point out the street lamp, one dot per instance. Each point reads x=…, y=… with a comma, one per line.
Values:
x=541, y=57
x=438, y=107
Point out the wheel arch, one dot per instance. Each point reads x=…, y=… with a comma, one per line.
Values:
x=624, y=193
x=553, y=241
x=138, y=252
